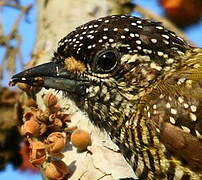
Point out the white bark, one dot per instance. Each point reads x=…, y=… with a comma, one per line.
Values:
x=56, y=19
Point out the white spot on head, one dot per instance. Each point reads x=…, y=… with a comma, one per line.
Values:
x=166, y=42
x=139, y=27
x=186, y=129
x=159, y=27
x=160, y=53
x=193, y=108
x=115, y=29
x=91, y=32
x=180, y=99
x=111, y=40
x=133, y=24
x=154, y=40
x=105, y=29
x=180, y=38
x=148, y=114
x=186, y=105
x=137, y=35
x=154, y=106
x=138, y=42
x=106, y=21
x=104, y=37
x=173, y=34
x=198, y=134
x=126, y=29
x=157, y=129
x=91, y=37
x=165, y=36
x=89, y=47
x=123, y=37
x=161, y=96
x=138, y=21
x=173, y=111
x=168, y=105
x=100, y=41
x=132, y=35
x=192, y=116
x=172, y=120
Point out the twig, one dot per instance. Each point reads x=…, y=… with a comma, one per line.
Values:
x=24, y=11
x=11, y=4
x=13, y=35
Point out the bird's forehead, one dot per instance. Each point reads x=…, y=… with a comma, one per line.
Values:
x=132, y=35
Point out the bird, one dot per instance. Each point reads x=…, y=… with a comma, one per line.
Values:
x=139, y=82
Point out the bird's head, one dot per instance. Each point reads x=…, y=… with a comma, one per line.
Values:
x=107, y=64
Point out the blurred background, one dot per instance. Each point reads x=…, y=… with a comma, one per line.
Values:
x=18, y=21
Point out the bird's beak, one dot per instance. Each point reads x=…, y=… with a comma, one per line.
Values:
x=50, y=75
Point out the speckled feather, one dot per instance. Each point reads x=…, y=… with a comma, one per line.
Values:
x=145, y=91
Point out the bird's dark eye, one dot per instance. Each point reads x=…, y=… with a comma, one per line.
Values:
x=106, y=61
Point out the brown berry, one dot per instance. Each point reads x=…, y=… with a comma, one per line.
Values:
x=57, y=170
x=37, y=152
x=55, y=142
x=80, y=139
x=30, y=127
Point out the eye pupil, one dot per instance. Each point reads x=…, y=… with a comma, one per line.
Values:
x=106, y=61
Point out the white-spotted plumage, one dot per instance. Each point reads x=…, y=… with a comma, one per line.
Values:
x=146, y=56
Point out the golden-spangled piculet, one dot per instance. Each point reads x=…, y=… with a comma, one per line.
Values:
x=139, y=82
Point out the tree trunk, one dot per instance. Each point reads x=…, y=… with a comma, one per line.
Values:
x=55, y=20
